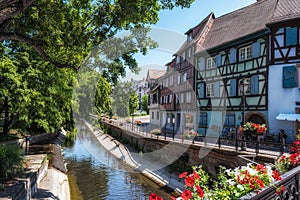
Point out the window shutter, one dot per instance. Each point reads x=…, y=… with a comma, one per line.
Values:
x=254, y=88
x=232, y=57
x=291, y=36
x=289, y=79
x=217, y=89
x=201, y=64
x=232, y=87
x=218, y=60
x=201, y=90
x=256, y=49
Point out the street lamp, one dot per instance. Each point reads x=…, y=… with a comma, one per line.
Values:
x=243, y=88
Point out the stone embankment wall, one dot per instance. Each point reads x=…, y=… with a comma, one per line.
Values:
x=37, y=167
x=168, y=151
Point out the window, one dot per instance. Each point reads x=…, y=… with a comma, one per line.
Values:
x=178, y=79
x=188, y=97
x=184, y=77
x=210, y=92
x=229, y=120
x=152, y=115
x=183, y=55
x=189, y=53
x=203, y=119
x=246, y=88
x=167, y=82
x=157, y=115
x=181, y=98
x=171, y=80
x=210, y=62
x=178, y=59
x=189, y=37
x=245, y=53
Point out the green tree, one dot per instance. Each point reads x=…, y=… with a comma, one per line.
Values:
x=103, y=91
x=120, y=98
x=64, y=32
x=145, y=103
x=133, y=104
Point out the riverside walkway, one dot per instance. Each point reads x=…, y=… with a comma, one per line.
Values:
x=254, y=148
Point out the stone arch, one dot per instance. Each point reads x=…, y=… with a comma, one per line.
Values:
x=256, y=117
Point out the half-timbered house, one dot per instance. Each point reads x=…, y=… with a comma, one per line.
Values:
x=232, y=69
x=154, y=95
x=283, y=83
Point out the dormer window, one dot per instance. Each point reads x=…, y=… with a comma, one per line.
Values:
x=189, y=37
x=177, y=59
x=245, y=53
x=210, y=62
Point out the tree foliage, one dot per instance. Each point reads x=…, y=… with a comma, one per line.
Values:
x=120, y=98
x=64, y=32
x=133, y=103
x=145, y=103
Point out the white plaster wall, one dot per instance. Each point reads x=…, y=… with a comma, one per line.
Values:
x=281, y=100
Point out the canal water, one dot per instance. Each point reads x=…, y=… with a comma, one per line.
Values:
x=96, y=174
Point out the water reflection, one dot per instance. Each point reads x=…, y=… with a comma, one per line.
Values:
x=99, y=175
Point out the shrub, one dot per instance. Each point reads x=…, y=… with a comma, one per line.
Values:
x=11, y=158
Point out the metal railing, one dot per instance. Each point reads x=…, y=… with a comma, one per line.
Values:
x=256, y=147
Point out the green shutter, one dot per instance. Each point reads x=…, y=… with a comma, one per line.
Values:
x=291, y=36
x=289, y=76
x=254, y=89
x=232, y=87
x=232, y=57
x=256, y=49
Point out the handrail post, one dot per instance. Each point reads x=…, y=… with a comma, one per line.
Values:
x=257, y=147
x=219, y=142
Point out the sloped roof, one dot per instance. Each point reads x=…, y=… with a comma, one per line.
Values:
x=196, y=32
x=155, y=74
x=240, y=23
x=285, y=10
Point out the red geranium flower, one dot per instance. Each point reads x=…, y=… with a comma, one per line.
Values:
x=200, y=191
x=196, y=175
x=276, y=175
x=189, y=181
x=186, y=195
x=183, y=174
x=153, y=196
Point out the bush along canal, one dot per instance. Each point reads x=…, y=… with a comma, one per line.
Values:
x=96, y=174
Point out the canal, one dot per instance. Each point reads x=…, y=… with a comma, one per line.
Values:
x=96, y=174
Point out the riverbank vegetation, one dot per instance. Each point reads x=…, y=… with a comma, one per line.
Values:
x=11, y=158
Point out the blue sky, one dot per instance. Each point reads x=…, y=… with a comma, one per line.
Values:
x=172, y=24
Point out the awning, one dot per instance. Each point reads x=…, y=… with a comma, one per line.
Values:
x=288, y=117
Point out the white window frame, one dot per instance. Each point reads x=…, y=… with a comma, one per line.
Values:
x=182, y=98
x=188, y=97
x=210, y=90
x=167, y=82
x=184, y=77
x=177, y=59
x=211, y=62
x=178, y=79
x=245, y=53
x=248, y=91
